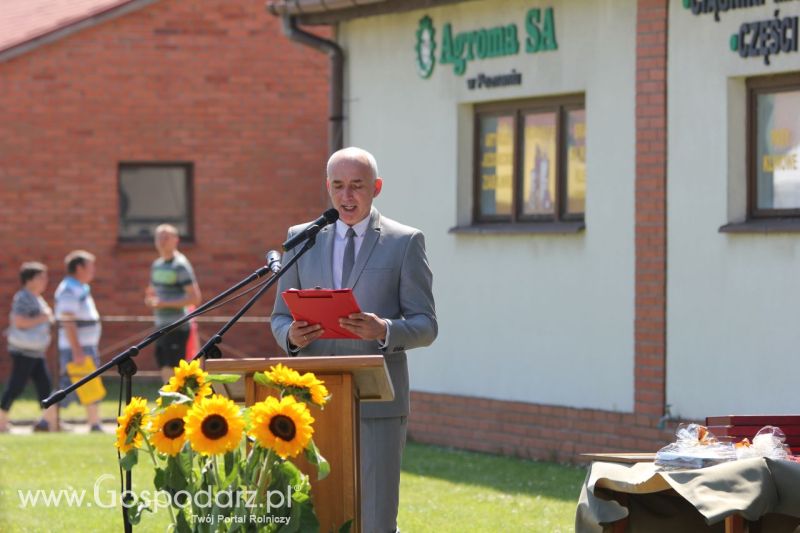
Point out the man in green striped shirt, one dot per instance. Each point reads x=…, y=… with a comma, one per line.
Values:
x=172, y=288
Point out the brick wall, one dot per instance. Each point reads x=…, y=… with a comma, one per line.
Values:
x=562, y=433
x=214, y=82
x=530, y=431
x=651, y=207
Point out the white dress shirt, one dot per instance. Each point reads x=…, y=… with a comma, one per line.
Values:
x=339, y=244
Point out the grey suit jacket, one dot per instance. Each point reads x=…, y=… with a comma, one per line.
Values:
x=391, y=278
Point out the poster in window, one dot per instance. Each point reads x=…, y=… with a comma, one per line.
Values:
x=496, y=164
x=576, y=161
x=539, y=168
x=778, y=151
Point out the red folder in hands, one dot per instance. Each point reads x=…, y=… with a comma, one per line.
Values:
x=324, y=307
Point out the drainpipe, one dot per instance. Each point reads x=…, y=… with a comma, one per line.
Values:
x=336, y=93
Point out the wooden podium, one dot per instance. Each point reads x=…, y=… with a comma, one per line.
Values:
x=350, y=379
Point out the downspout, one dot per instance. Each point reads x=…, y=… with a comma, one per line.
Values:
x=336, y=93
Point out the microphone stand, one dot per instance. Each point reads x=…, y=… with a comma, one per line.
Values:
x=127, y=367
x=210, y=349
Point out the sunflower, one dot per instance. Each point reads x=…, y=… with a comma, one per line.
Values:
x=283, y=425
x=316, y=388
x=214, y=425
x=189, y=379
x=129, y=425
x=168, y=433
x=283, y=376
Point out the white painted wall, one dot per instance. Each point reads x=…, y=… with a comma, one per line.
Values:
x=733, y=299
x=534, y=318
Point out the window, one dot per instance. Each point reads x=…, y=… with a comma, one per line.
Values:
x=151, y=194
x=530, y=161
x=774, y=147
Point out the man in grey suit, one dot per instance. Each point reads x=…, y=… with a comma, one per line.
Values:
x=384, y=262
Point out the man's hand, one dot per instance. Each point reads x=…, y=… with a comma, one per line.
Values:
x=367, y=326
x=150, y=298
x=301, y=334
x=48, y=315
x=78, y=356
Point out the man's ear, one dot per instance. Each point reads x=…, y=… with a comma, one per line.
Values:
x=378, y=186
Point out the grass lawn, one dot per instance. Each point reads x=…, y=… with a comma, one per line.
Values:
x=451, y=490
x=442, y=490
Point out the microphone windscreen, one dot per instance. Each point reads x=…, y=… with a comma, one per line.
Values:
x=331, y=215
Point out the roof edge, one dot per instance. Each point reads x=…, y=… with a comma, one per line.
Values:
x=322, y=12
x=61, y=32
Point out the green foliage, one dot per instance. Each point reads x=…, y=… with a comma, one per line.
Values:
x=129, y=460
x=223, y=378
x=235, y=484
x=314, y=457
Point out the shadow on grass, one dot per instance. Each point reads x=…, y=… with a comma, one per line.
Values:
x=504, y=474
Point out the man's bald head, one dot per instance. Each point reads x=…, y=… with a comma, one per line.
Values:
x=354, y=154
x=353, y=182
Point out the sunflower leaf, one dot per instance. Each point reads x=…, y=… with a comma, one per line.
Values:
x=223, y=378
x=181, y=524
x=302, y=519
x=174, y=476
x=315, y=458
x=262, y=379
x=129, y=460
x=300, y=497
x=182, y=461
x=286, y=477
x=160, y=479
x=346, y=527
x=135, y=512
x=169, y=398
x=230, y=471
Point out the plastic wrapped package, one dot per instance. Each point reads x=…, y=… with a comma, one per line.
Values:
x=694, y=447
x=770, y=442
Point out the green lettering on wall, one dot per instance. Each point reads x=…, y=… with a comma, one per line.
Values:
x=495, y=42
x=534, y=39
x=549, y=31
x=471, y=38
x=512, y=43
x=447, y=44
x=541, y=33
x=459, y=49
x=459, y=63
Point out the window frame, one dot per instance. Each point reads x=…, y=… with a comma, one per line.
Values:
x=188, y=168
x=756, y=87
x=561, y=106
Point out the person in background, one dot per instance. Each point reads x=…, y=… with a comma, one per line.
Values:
x=28, y=340
x=79, y=324
x=172, y=288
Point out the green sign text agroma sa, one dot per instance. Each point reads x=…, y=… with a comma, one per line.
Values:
x=484, y=43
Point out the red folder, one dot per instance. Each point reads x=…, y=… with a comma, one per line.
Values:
x=323, y=306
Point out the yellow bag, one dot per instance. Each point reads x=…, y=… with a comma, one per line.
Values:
x=92, y=391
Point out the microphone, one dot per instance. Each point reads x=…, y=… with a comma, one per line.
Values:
x=274, y=261
x=328, y=217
